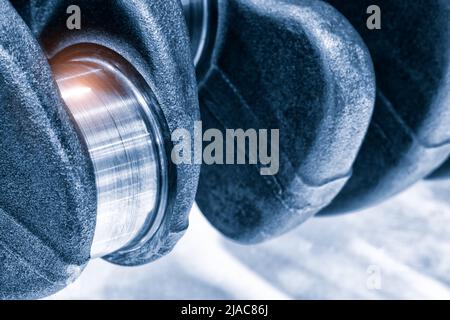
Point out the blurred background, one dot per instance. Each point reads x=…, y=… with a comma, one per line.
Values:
x=397, y=250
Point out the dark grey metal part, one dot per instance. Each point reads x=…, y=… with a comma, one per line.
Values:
x=410, y=134
x=47, y=189
x=47, y=195
x=300, y=67
x=151, y=35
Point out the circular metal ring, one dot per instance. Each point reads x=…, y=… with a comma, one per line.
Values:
x=201, y=18
x=116, y=114
x=196, y=14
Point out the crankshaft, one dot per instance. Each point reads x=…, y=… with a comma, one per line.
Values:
x=99, y=121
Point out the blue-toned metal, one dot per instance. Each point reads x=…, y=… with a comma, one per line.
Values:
x=58, y=180
x=117, y=115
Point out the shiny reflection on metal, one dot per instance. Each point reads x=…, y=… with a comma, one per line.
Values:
x=115, y=113
x=196, y=13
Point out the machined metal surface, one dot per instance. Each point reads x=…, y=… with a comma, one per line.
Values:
x=50, y=198
x=115, y=113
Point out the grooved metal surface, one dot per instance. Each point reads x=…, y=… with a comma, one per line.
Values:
x=114, y=115
x=54, y=180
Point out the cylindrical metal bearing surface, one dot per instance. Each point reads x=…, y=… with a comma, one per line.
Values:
x=114, y=112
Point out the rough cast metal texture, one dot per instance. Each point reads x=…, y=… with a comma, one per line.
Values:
x=294, y=65
x=47, y=189
x=151, y=35
x=410, y=133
